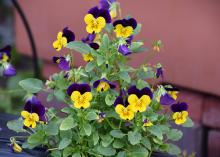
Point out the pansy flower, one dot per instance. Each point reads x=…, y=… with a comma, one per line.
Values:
x=96, y=20
x=103, y=85
x=62, y=63
x=15, y=148
x=159, y=72
x=170, y=97
x=123, y=109
x=124, y=28
x=124, y=50
x=101, y=117
x=109, y=5
x=147, y=123
x=139, y=99
x=5, y=54
x=180, y=113
x=63, y=38
x=80, y=94
x=33, y=112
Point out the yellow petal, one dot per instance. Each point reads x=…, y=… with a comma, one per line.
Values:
x=184, y=114
x=85, y=105
x=75, y=96
x=87, y=96
x=175, y=115
x=89, y=29
x=101, y=22
x=132, y=99
x=35, y=117
x=64, y=41
x=145, y=99
x=25, y=114
x=89, y=18
x=33, y=124
x=27, y=123
x=88, y=57
x=119, y=109
x=59, y=35
x=129, y=31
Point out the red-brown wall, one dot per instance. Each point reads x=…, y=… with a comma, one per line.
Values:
x=189, y=29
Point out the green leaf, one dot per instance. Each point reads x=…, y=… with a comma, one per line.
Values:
x=90, y=66
x=189, y=123
x=100, y=60
x=173, y=149
x=134, y=137
x=56, y=153
x=67, y=110
x=87, y=128
x=138, y=152
x=31, y=85
x=64, y=143
x=52, y=128
x=106, y=151
x=155, y=130
x=105, y=41
x=60, y=95
x=136, y=46
x=117, y=134
x=76, y=154
x=91, y=115
x=95, y=138
x=121, y=154
x=109, y=99
x=125, y=76
x=118, y=144
x=79, y=46
x=37, y=138
x=137, y=29
x=68, y=151
x=174, y=135
x=68, y=123
x=106, y=140
x=16, y=125
x=146, y=142
x=109, y=28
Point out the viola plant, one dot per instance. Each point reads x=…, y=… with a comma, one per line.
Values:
x=108, y=107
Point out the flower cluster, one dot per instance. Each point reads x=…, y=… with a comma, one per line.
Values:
x=110, y=108
x=6, y=69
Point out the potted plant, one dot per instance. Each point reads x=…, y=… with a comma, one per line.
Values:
x=109, y=108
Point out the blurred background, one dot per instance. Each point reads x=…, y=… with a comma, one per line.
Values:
x=189, y=30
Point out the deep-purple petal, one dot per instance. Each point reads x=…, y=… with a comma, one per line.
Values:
x=119, y=100
x=64, y=64
x=6, y=50
x=95, y=46
x=179, y=107
x=33, y=105
x=126, y=22
x=68, y=34
x=147, y=91
x=71, y=88
x=96, y=83
x=96, y=12
x=166, y=99
x=84, y=87
x=159, y=72
x=124, y=50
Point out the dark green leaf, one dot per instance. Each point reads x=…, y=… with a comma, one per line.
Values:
x=118, y=144
x=90, y=66
x=68, y=123
x=87, y=128
x=155, y=130
x=95, y=138
x=117, y=134
x=125, y=76
x=91, y=115
x=189, y=123
x=173, y=149
x=174, y=135
x=64, y=143
x=134, y=137
x=16, y=125
x=79, y=46
x=106, y=151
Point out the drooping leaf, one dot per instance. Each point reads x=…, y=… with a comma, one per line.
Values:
x=31, y=85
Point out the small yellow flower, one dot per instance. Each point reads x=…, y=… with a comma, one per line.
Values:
x=180, y=117
x=30, y=119
x=94, y=25
x=125, y=113
x=88, y=57
x=123, y=32
x=103, y=86
x=113, y=13
x=173, y=94
x=81, y=101
x=60, y=42
x=139, y=105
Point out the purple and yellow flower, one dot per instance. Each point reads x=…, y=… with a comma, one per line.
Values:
x=80, y=94
x=33, y=113
x=15, y=148
x=170, y=96
x=147, y=123
x=172, y=91
x=124, y=28
x=63, y=38
x=101, y=117
x=103, y=85
x=5, y=54
x=123, y=109
x=96, y=20
x=124, y=50
x=180, y=113
x=110, y=6
x=62, y=63
x=139, y=99
x=8, y=70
